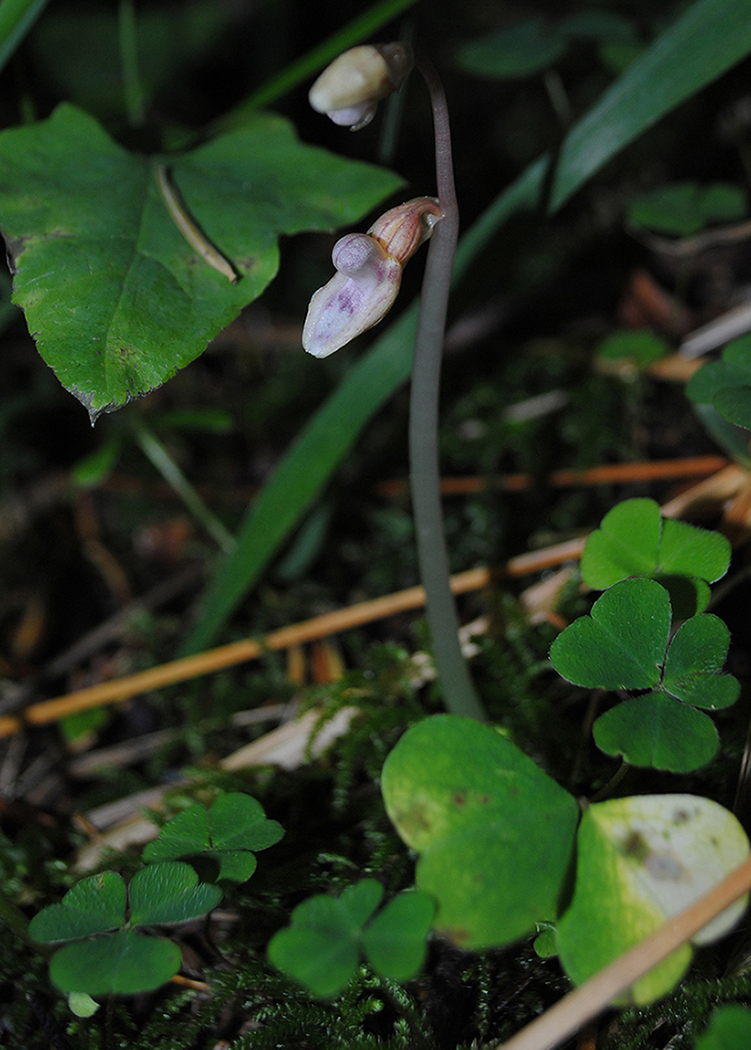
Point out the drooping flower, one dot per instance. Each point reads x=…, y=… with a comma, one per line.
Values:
x=369, y=272
x=350, y=88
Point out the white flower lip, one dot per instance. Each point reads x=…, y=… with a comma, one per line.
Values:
x=353, y=117
x=356, y=297
x=369, y=272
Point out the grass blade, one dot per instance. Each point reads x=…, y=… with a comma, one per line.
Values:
x=16, y=19
x=709, y=38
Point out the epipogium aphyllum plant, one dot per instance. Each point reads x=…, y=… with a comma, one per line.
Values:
x=480, y=841
x=369, y=268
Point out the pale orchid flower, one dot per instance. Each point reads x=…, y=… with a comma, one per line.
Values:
x=369, y=272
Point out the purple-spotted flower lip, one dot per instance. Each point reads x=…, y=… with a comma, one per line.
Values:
x=350, y=88
x=369, y=272
x=357, y=296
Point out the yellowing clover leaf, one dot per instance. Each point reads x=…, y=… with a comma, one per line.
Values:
x=641, y=861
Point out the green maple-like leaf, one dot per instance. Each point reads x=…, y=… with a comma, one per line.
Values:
x=114, y=295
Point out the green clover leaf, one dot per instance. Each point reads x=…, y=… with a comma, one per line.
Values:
x=322, y=945
x=125, y=961
x=726, y=384
x=624, y=645
x=621, y=645
x=481, y=815
x=729, y=1029
x=634, y=540
x=226, y=834
x=395, y=940
x=94, y=905
x=656, y=730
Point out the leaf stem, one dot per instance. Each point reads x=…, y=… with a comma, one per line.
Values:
x=189, y=229
x=458, y=691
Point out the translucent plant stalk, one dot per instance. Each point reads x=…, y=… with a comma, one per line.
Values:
x=456, y=684
x=368, y=272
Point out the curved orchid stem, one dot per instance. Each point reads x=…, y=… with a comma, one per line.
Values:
x=455, y=681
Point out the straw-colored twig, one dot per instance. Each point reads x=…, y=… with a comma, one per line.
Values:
x=720, y=487
x=235, y=653
x=612, y=473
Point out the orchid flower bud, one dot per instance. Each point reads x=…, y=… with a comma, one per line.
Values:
x=349, y=89
x=369, y=272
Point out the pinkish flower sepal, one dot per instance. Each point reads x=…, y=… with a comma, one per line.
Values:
x=369, y=272
x=401, y=230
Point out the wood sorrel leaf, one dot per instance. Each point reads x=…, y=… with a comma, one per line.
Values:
x=726, y=384
x=732, y=370
x=321, y=947
x=125, y=963
x=494, y=832
x=640, y=861
x=694, y=662
x=633, y=539
x=169, y=892
x=395, y=941
x=729, y=1029
x=360, y=901
x=237, y=821
x=622, y=644
x=185, y=834
x=734, y=404
x=116, y=298
x=625, y=544
x=94, y=905
x=656, y=730
x=226, y=834
x=690, y=551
